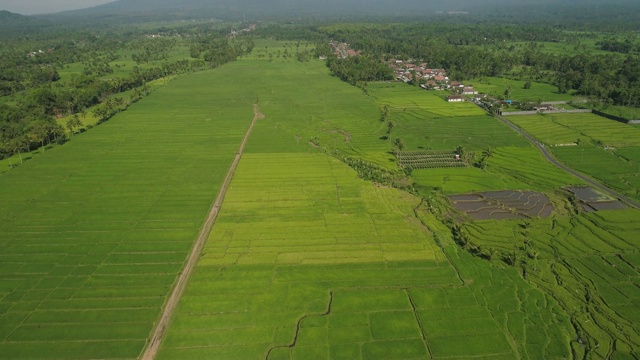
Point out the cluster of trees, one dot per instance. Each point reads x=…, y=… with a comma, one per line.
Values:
x=20, y=132
x=358, y=69
x=35, y=95
x=614, y=45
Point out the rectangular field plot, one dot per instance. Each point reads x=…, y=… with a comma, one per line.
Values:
x=420, y=130
x=529, y=167
x=402, y=97
x=537, y=91
x=462, y=181
x=568, y=128
x=603, y=165
x=94, y=232
x=340, y=211
x=321, y=107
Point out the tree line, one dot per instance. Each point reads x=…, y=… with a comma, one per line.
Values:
x=33, y=94
x=469, y=52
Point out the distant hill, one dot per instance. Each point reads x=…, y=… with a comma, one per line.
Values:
x=559, y=11
x=9, y=18
x=12, y=23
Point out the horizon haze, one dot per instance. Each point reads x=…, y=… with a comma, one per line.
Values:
x=37, y=7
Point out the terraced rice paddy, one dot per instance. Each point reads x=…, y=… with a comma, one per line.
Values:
x=503, y=205
x=608, y=150
x=463, y=180
x=527, y=166
x=600, y=263
x=419, y=130
x=536, y=243
x=568, y=128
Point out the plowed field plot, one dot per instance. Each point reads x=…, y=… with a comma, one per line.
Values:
x=506, y=204
x=591, y=200
x=429, y=160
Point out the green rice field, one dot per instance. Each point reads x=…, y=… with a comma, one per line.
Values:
x=419, y=131
x=602, y=269
x=607, y=150
x=538, y=91
x=94, y=232
x=402, y=97
x=465, y=180
x=555, y=129
x=306, y=260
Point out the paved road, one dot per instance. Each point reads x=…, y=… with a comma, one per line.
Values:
x=547, y=154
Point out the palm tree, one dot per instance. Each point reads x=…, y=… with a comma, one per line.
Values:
x=390, y=126
x=17, y=144
x=399, y=144
x=385, y=113
x=73, y=123
x=488, y=152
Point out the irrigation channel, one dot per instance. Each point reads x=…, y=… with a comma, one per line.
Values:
x=153, y=346
x=550, y=158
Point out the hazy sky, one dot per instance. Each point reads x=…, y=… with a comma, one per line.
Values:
x=29, y=7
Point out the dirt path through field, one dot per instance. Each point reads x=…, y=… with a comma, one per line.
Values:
x=153, y=346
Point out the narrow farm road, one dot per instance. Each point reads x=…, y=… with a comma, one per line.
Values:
x=550, y=158
x=153, y=346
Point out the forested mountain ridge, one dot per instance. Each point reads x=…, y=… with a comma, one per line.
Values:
x=505, y=10
x=10, y=20
x=8, y=16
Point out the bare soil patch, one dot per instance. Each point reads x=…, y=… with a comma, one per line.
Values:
x=591, y=200
x=505, y=204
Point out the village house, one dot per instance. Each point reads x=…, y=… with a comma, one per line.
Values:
x=455, y=98
x=469, y=91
